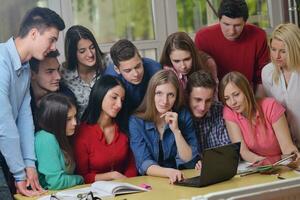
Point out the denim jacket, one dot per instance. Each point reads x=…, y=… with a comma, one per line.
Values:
x=144, y=142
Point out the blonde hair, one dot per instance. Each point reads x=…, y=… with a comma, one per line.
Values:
x=242, y=83
x=289, y=34
x=147, y=110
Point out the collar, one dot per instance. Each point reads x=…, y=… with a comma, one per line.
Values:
x=13, y=53
x=151, y=125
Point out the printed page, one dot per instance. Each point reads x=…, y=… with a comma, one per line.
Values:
x=116, y=187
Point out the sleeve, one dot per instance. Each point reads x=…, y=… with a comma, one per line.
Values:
x=81, y=152
x=142, y=154
x=10, y=146
x=188, y=132
x=229, y=115
x=47, y=149
x=267, y=78
x=130, y=171
x=272, y=109
x=262, y=58
x=26, y=130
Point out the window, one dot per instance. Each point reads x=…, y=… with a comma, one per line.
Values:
x=111, y=20
x=11, y=13
x=193, y=14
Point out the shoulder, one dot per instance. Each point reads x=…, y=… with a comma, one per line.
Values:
x=68, y=74
x=217, y=108
x=184, y=114
x=151, y=65
x=45, y=138
x=268, y=69
x=256, y=33
x=229, y=114
x=110, y=70
x=208, y=29
x=136, y=119
x=269, y=104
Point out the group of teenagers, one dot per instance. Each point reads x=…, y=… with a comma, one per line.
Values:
x=111, y=116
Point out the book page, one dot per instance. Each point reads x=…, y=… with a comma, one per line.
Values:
x=116, y=187
x=74, y=192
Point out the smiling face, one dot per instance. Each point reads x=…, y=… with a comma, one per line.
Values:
x=132, y=70
x=165, y=97
x=43, y=42
x=181, y=61
x=278, y=53
x=71, y=121
x=86, y=53
x=232, y=27
x=200, y=101
x=235, y=98
x=48, y=77
x=112, y=101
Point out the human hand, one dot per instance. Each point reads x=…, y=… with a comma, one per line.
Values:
x=21, y=187
x=171, y=118
x=198, y=165
x=33, y=180
x=117, y=175
x=269, y=160
x=174, y=175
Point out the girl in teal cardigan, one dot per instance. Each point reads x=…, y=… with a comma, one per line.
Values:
x=55, y=162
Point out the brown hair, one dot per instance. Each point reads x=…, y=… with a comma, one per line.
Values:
x=182, y=41
x=242, y=83
x=147, y=110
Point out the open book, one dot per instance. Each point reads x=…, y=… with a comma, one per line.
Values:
x=100, y=189
x=246, y=168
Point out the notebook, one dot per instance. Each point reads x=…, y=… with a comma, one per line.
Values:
x=218, y=164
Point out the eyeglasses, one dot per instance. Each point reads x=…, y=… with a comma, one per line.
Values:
x=84, y=196
x=87, y=196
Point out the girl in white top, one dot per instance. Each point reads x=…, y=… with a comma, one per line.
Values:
x=281, y=77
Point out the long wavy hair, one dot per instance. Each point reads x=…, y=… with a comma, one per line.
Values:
x=182, y=41
x=52, y=117
x=73, y=36
x=147, y=110
x=242, y=83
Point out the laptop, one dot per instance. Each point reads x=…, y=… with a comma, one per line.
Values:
x=218, y=164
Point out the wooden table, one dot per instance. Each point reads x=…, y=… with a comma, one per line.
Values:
x=161, y=189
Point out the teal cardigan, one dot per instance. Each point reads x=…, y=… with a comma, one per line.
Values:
x=50, y=163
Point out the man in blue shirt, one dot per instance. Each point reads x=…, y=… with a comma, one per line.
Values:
x=37, y=36
x=135, y=73
x=207, y=113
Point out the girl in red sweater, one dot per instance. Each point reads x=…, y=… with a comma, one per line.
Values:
x=101, y=149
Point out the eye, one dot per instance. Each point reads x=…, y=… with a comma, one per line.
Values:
x=171, y=95
x=236, y=94
x=92, y=47
x=81, y=51
x=159, y=93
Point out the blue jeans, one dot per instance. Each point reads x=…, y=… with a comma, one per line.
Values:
x=5, y=177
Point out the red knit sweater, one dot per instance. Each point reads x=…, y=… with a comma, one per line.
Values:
x=93, y=155
x=248, y=54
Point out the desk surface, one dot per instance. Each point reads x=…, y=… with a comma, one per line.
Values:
x=161, y=189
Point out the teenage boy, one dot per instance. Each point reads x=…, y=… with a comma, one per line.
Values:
x=134, y=71
x=234, y=44
x=207, y=113
x=37, y=36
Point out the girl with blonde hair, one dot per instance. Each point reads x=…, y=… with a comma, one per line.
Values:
x=281, y=77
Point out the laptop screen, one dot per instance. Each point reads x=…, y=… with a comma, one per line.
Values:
x=220, y=163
